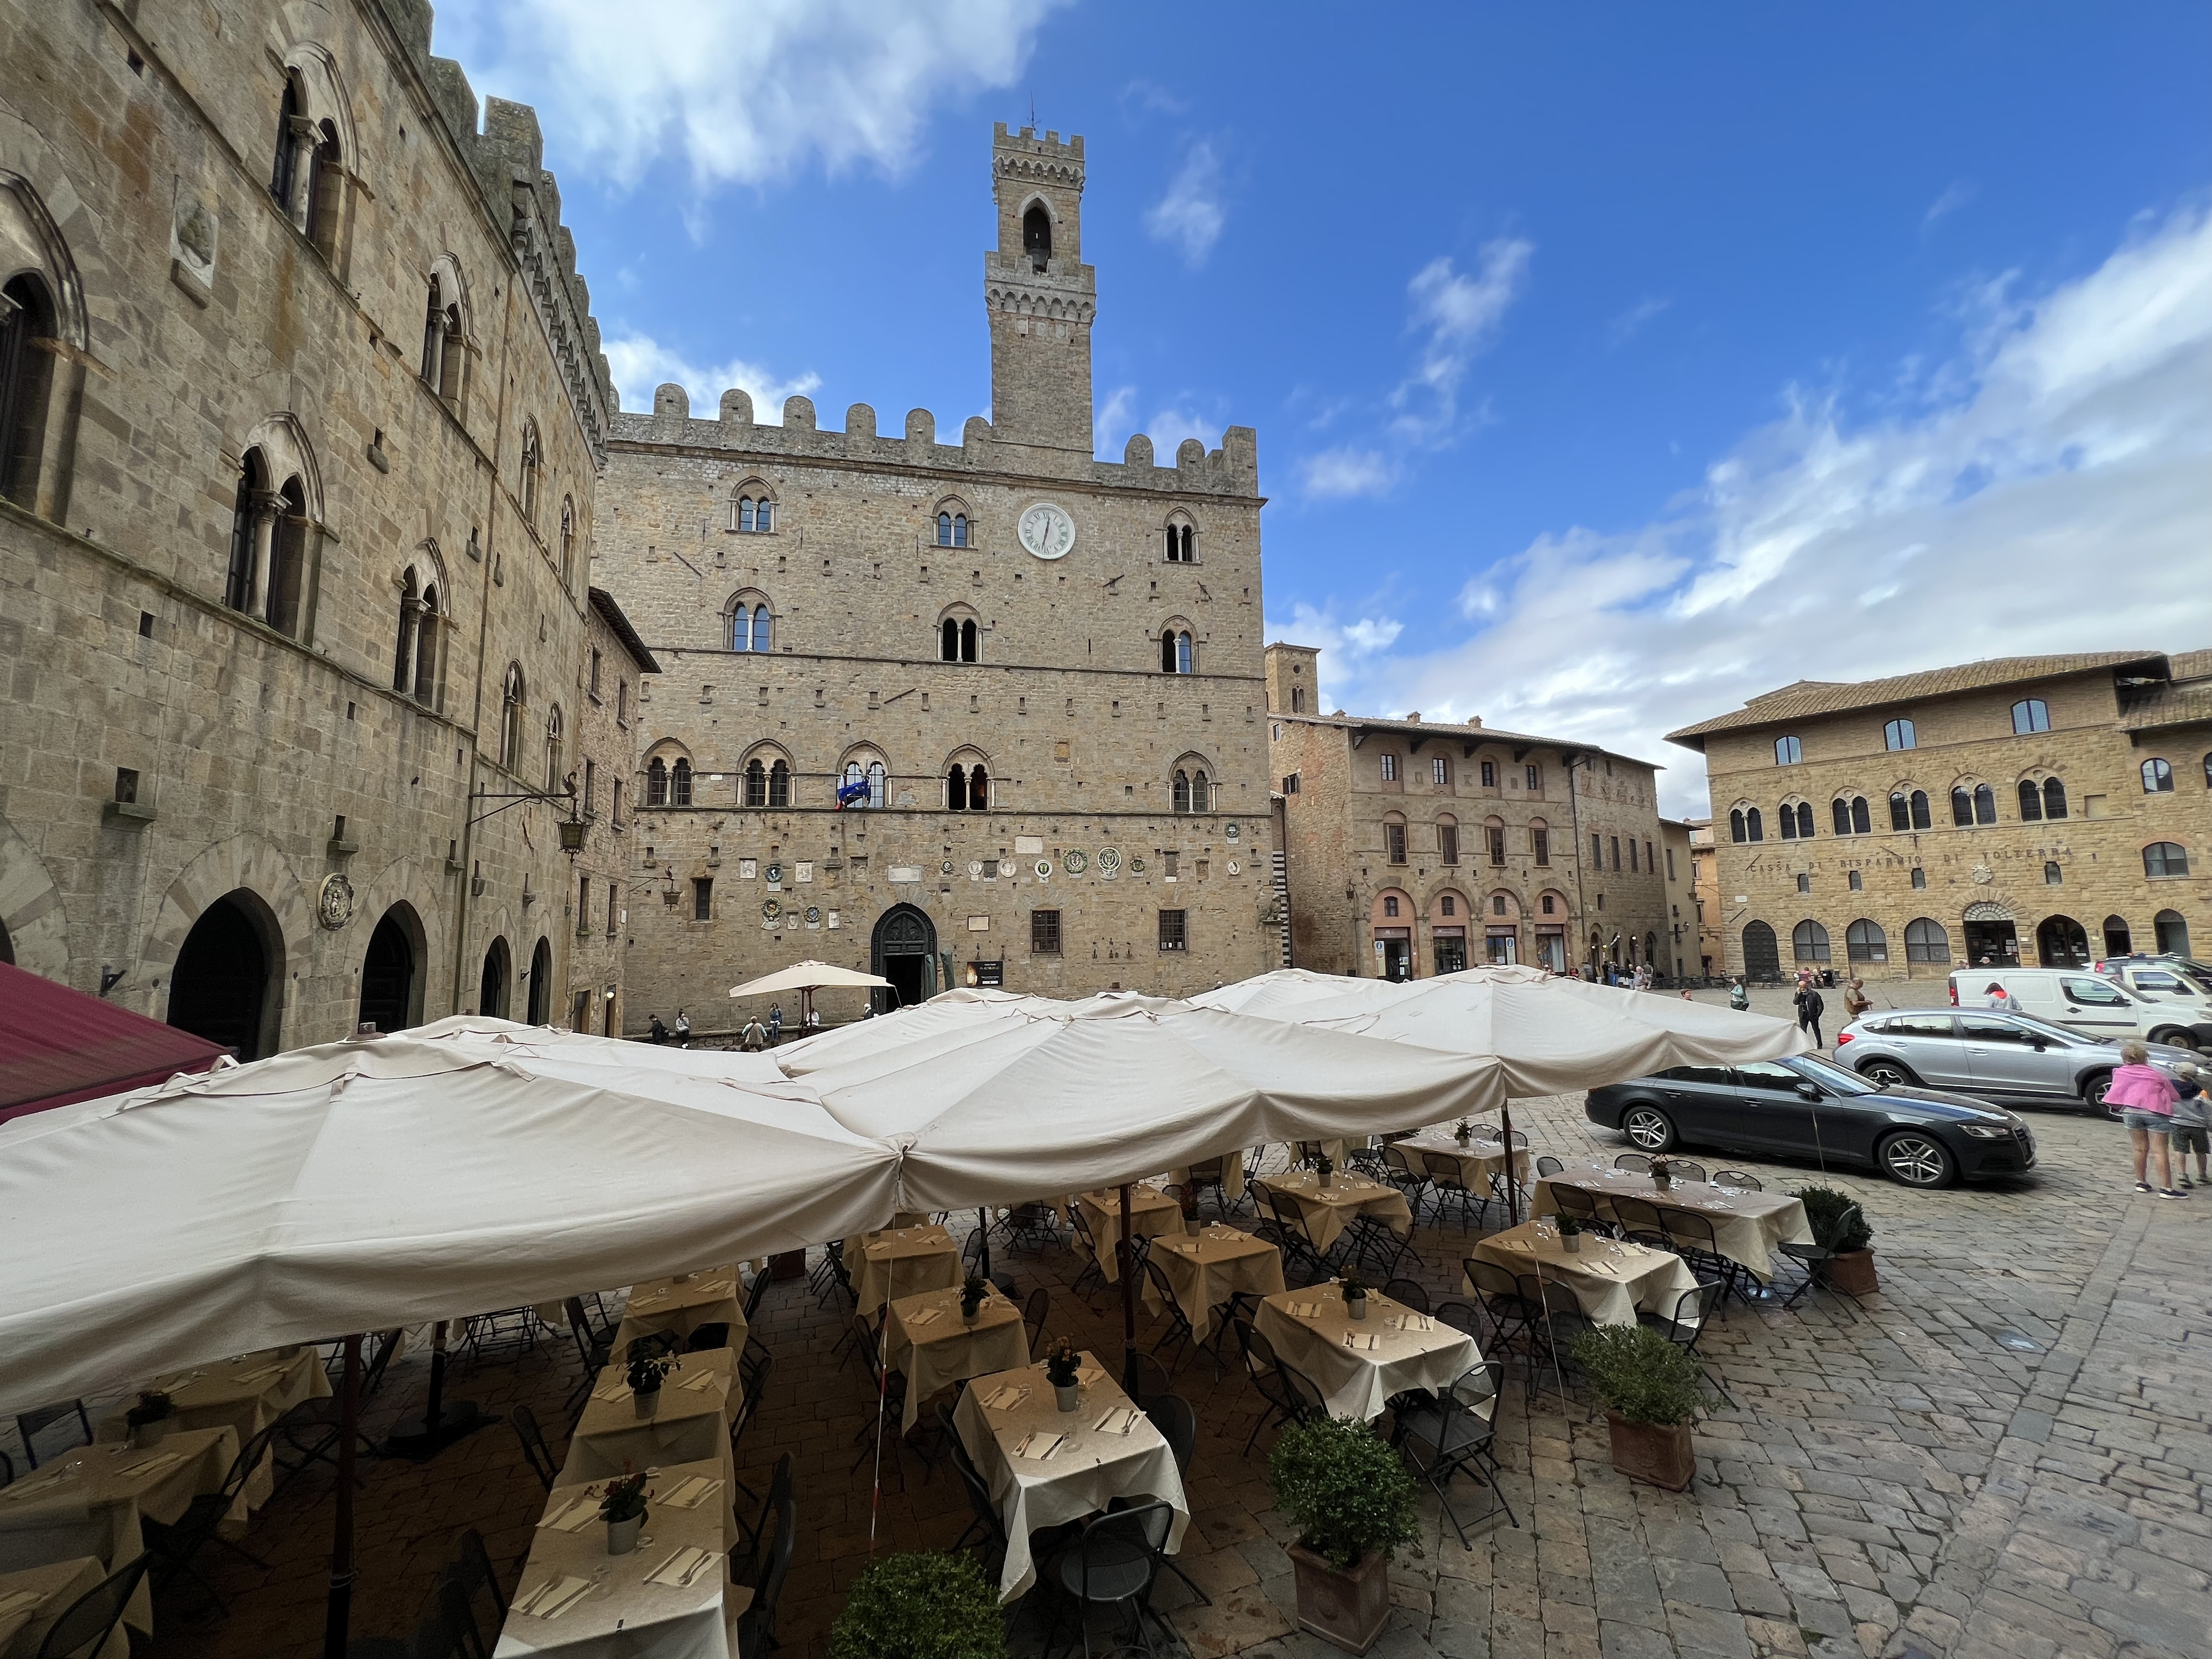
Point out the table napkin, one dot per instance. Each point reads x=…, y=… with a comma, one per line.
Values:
x=32, y=1488
x=680, y=1569
x=1006, y=1398
x=161, y=1463
x=552, y=1599
x=572, y=1516
x=693, y=1493
x=1304, y=1310
x=613, y=1390
x=1039, y=1444
x=1362, y=1342
x=705, y=1380
x=260, y=1374
x=924, y=1317
x=16, y=1601
x=1119, y=1420
x=1410, y=1322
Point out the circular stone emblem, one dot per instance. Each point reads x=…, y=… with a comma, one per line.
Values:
x=334, y=902
x=776, y=873
x=1007, y=868
x=946, y=868
x=1230, y=832
x=1047, y=531
x=1235, y=869
x=1074, y=860
x=814, y=915
x=974, y=866
x=1043, y=869
x=1109, y=861
x=771, y=909
x=1136, y=867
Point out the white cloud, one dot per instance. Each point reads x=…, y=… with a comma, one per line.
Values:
x=641, y=363
x=748, y=94
x=1346, y=647
x=1624, y=327
x=2053, y=492
x=1461, y=314
x=1109, y=425
x=1341, y=473
x=1956, y=195
x=1190, y=214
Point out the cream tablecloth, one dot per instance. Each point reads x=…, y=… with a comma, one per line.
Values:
x=1152, y=1214
x=901, y=1262
x=1206, y=1268
x=1748, y=1226
x=1328, y=1210
x=627, y=1616
x=55, y=1515
x=926, y=1338
x=30, y=1602
x=1610, y=1288
x=690, y=1425
x=246, y=1394
x=1090, y=1468
x=660, y=1305
x=1312, y=1331
x=1232, y=1174
x=1477, y=1160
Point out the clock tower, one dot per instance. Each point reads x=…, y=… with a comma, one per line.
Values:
x=1042, y=298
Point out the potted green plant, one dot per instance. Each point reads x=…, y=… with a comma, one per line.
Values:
x=1063, y=1365
x=973, y=1290
x=621, y=1506
x=1651, y=1389
x=647, y=1369
x=149, y=1420
x=1663, y=1174
x=920, y=1605
x=1324, y=1168
x=1352, y=1500
x=1840, y=1224
x=1463, y=1132
x=1571, y=1234
x=1354, y=1294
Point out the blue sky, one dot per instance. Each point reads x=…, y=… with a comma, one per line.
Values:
x=1609, y=364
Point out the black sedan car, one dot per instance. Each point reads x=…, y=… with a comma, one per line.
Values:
x=1806, y=1107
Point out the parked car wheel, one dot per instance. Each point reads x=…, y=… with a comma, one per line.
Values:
x=1647, y=1128
x=2094, y=1087
x=1918, y=1160
x=2179, y=1036
x=1889, y=1074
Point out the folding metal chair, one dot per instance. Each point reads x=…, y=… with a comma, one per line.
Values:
x=1453, y=1432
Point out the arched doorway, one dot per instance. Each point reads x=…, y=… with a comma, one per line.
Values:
x=220, y=987
x=390, y=995
x=2062, y=942
x=1762, y=956
x=2172, y=933
x=904, y=951
x=541, y=983
x=1992, y=941
x=2117, y=939
x=498, y=971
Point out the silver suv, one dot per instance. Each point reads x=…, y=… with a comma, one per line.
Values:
x=1982, y=1052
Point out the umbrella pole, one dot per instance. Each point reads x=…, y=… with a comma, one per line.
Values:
x=339, y=1613
x=1512, y=1175
x=983, y=1222
x=1129, y=1301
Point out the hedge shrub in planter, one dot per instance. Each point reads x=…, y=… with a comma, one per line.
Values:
x=1651, y=1390
x=1352, y=1500
x=1848, y=1237
x=920, y=1605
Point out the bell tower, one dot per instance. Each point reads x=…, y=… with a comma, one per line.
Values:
x=1039, y=294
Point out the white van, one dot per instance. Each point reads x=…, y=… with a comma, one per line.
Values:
x=2084, y=1001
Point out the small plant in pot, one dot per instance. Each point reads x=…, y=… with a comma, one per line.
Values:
x=1571, y=1234
x=921, y=1606
x=149, y=1421
x=1463, y=1132
x=1352, y=1500
x=1063, y=1365
x=647, y=1369
x=973, y=1290
x=1840, y=1224
x=1354, y=1294
x=1651, y=1390
x=1662, y=1173
x=621, y=1506
x=1324, y=1168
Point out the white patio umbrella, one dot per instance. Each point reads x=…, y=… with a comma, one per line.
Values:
x=1288, y=988
x=805, y=978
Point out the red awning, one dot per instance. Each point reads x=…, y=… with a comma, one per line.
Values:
x=57, y=1045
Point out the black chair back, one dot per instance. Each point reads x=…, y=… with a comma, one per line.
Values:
x=1312, y=1404
x=1635, y=1161
x=753, y=1297
x=1152, y=1381
x=1743, y=1178
x=1112, y=1543
x=756, y=1625
x=1173, y=1416
x=471, y=1569
x=535, y=1451
x=7, y=1470
x=387, y=1345
x=756, y=1528
x=1034, y=1315
x=87, y=1622
x=1683, y=1170
x=1574, y=1201
x=29, y=1425
x=1407, y=1292
x=1548, y=1166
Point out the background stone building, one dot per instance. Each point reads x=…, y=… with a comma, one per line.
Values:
x=1704, y=896
x=2030, y=810
x=302, y=408
x=1416, y=847
x=930, y=707
x=1678, y=946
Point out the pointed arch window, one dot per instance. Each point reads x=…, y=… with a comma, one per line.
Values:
x=28, y=324
x=1175, y=651
x=553, y=745
x=679, y=783
x=952, y=529
x=1036, y=235
x=779, y=782
x=750, y=626
x=510, y=720
x=1182, y=544
x=656, y=782
x=1182, y=791
x=415, y=660
x=569, y=542
x=755, y=782
x=443, y=354
x=531, y=475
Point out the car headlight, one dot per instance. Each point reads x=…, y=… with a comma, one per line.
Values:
x=1987, y=1131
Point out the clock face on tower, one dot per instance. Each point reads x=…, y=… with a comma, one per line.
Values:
x=1047, y=531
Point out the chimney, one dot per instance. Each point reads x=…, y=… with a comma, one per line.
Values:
x=1413, y=719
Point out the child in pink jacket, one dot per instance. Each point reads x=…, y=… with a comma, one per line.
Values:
x=2145, y=1097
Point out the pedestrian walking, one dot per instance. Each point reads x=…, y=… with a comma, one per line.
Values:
x=2146, y=1098
x=775, y=1024
x=752, y=1039
x=1809, y=1009
x=1738, y=998
x=683, y=1029
x=1856, y=1001
x=2192, y=1127
x=656, y=1031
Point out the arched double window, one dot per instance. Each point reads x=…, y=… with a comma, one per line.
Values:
x=1864, y=941
x=1851, y=816
x=568, y=549
x=1908, y=811
x=511, y=707
x=2157, y=777
x=2038, y=801
x=554, y=735
x=957, y=639
x=656, y=782
x=1193, y=790
x=952, y=529
x=679, y=782
x=1808, y=940
x=530, y=476
x=2166, y=858
x=858, y=777
x=1745, y=824
x=1925, y=940
x=2030, y=714
x=967, y=788
x=1796, y=818
x=751, y=512
x=1972, y=805
x=1183, y=543
x=308, y=176
x=445, y=353
x=1900, y=734
x=1175, y=651
x=271, y=534
x=768, y=782
x=415, y=660
x=750, y=625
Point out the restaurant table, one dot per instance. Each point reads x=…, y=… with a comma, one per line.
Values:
x=1477, y=1159
x=1611, y=1289
x=901, y=1261
x=626, y=1614
x=53, y=1514
x=1358, y=1364
x=246, y=1393
x=1328, y=1210
x=30, y=1602
x=1009, y=1423
x=678, y=1307
x=690, y=1424
x=926, y=1338
x=1206, y=1268
x=1152, y=1214
x=1748, y=1226
x=1232, y=1176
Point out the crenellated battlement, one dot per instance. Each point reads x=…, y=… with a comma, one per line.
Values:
x=1045, y=161
x=1231, y=470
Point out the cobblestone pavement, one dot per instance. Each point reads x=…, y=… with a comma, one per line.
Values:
x=2004, y=1453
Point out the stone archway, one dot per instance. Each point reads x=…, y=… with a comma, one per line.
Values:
x=393, y=971
x=540, y=999
x=243, y=862
x=904, y=951
x=228, y=984
x=33, y=925
x=496, y=980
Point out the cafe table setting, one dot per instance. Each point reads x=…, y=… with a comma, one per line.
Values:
x=31, y=1600
x=1478, y=1158
x=1152, y=1214
x=1046, y=1467
x=1612, y=1280
x=900, y=1261
x=931, y=1340
x=669, y=1596
x=246, y=1393
x=1358, y=1363
x=679, y=1306
x=1748, y=1226
x=90, y=1501
x=1206, y=1268
x=1328, y=1210
x=688, y=1422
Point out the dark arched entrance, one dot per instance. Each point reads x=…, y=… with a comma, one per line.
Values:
x=387, y=974
x=2062, y=942
x=2118, y=940
x=541, y=984
x=905, y=953
x=1762, y=959
x=498, y=971
x=219, y=988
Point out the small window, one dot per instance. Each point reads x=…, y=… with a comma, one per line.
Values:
x=1174, y=935
x=779, y=783
x=1787, y=819
x=1631, y=855
x=1539, y=842
x=703, y=898
x=1862, y=820
x=1390, y=905
x=2030, y=714
x=1899, y=734
x=2157, y=778
x=1788, y=751
x=615, y=806
x=1840, y=810
x=1439, y=770
x=1299, y=706
x=1597, y=851
x=2164, y=858
x=1290, y=784
x=1919, y=876
x=1856, y=882
x=1755, y=826
x=679, y=784
x=952, y=530
x=1548, y=904
x=2052, y=875
x=1044, y=933
x=1736, y=825
x=1394, y=841
x=1389, y=768
x=1490, y=772
x=755, y=782
x=2030, y=801
x=1535, y=774
x=1182, y=544
x=656, y=783
x=1615, y=839
x=1986, y=804
x=1176, y=652
x=1447, y=843
x=1804, y=882
x=2054, y=798
x=1448, y=905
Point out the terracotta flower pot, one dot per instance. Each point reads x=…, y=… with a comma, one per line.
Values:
x=1852, y=1272
x=1656, y=1452
x=1344, y=1609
